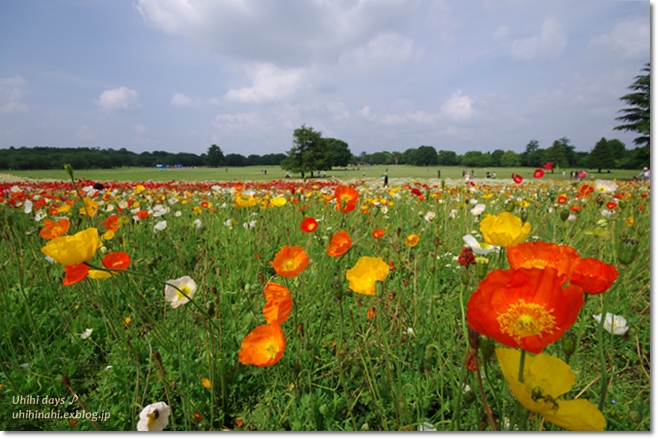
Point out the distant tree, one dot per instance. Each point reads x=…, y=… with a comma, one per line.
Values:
x=447, y=158
x=470, y=158
x=638, y=117
x=309, y=152
x=532, y=156
x=235, y=160
x=379, y=158
x=253, y=160
x=339, y=151
x=510, y=159
x=215, y=156
x=618, y=148
x=425, y=156
x=396, y=157
x=484, y=160
x=495, y=157
x=409, y=156
x=602, y=156
x=555, y=153
x=569, y=151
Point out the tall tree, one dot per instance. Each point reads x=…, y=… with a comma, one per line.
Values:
x=425, y=156
x=556, y=154
x=214, y=156
x=618, y=148
x=447, y=158
x=602, y=156
x=495, y=157
x=309, y=152
x=638, y=117
x=339, y=150
x=510, y=159
x=532, y=156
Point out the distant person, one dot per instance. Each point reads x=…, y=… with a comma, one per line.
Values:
x=265, y=171
x=494, y=174
x=438, y=173
x=488, y=175
x=646, y=174
x=385, y=180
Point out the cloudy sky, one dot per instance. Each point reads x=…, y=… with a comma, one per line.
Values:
x=382, y=75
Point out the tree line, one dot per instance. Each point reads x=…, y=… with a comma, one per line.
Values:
x=46, y=157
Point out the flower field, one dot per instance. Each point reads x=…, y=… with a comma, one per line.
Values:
x=325, y=305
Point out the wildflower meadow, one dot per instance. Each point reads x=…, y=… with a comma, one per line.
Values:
x=325, y=305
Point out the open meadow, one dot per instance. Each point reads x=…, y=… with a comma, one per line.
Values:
x=213, y=299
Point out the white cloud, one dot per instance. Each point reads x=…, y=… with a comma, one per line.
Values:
x=458, y=106
x=270, y=83
x=84, y=134
x=118, y=99
x=180, y=100
x=364, y=112
x=238, y=121
x=628, y=40
x=11, y=93
x=501, y=32
x=384, y=50
x=140, y=129
x=548, y=44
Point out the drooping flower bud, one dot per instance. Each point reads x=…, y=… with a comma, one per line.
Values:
x=627, y=251
x=68, y=169
x=524, y=214
x=465, y=277
x=487, y=348
x=509, y=206
x=564, y=215
x=569, y=343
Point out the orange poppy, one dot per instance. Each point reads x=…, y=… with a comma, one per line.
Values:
x=526, y=308
x=290, y=261
x=562, y=199
x=279, y=303
x=112, y=223
x=371, y=313
x=309, y=225
x=340, y=244
x=378, y=233
x=54, y=229
x=610, y=205
x=585, y=190
x=544, y=254
x=412, y=240
x=75, y=273
x=346, y=198
x=594, y=276
x=143, y=214
x=263, y=347
x=117, y=261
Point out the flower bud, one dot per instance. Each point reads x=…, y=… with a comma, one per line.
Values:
x=564, y=214
x=465, y=277
x=635, y=416
x=481, y=267
x=627, y=251
x=68, y=169
x=487, y=348
x=524, y=215
x=569, y=343
x=473, y=338
x=622, y=203
x=509, y=206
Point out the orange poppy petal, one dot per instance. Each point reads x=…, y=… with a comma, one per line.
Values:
x=263, y=347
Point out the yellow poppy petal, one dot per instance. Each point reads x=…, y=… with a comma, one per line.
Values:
x=576, y=415
x=99, y=274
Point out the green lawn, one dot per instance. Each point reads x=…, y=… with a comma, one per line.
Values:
x=254, y=173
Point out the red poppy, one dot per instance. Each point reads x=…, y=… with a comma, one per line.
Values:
x=75, y=273
x=378, y=233
x=562, y=199
x=263, y=347
x=143, y=214
x=594, y=276
x=117, y=261
x=309, y=225
x=576, y=208
x=548, y=166
x=585, y=190
x=54, y=229
x=340, y=244
x=539, y=173
x=279, y=303
x=563, y=258
x=526, y=308
x=610, y=205
x=290, y=261
x=346, y=198
x=517, y=178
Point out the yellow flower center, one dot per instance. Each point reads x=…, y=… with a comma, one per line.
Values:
x=185, y=289
x=152, y=418
x=535, y=263
x=271, y=349
x=526, y=319
x=289, y=265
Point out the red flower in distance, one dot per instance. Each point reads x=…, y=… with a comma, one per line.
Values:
x=539, y=173
x=517, y=178
x=309, y=225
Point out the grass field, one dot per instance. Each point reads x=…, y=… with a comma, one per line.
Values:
x=274, y=172
x=373, y=332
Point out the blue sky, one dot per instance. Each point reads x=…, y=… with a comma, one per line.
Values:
x=382, y=75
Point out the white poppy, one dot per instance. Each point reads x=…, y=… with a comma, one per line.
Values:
x=85, y=335
x=480, y=249
x=478, y=209
x=160, y=225
x=605, y=186
x=154, y=417
x=27, y=206
x=429, y=216
x=613, y=324
x=185, y=284
x=197, y=223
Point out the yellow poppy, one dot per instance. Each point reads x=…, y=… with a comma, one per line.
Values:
x=278, y=202
x=73, y=249
x=412, y=240
x=365, y=274
x=545, y=378
x=248, y=201
x=91, y=207
x=504, y=230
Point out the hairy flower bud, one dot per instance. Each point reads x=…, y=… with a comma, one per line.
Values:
x=627, y=251
x=564, y=215
x=510, y=207
x=487, y=348
x=481, y=267
x=524, y=214
x=569, y=343
x=464, y=275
